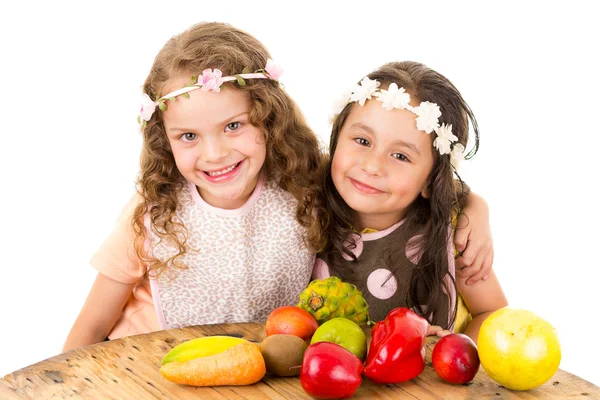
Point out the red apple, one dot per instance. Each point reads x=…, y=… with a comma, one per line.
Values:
x=329, y=371
x=291, y=320
x=455, y=358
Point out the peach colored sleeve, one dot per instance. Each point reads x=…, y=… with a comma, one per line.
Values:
x=116, y=257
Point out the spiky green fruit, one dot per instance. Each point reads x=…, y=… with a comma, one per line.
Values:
x=332, y=298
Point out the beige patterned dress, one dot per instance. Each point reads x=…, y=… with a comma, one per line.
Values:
x=241, y=264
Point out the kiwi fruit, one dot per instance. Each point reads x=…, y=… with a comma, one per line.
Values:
x=283, y=354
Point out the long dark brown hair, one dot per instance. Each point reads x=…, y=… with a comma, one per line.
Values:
x=293, y=154
x=331, y=229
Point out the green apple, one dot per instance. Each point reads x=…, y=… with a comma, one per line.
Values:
x=344, y=332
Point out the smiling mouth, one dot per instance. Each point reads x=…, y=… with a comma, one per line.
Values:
x=222, y=171
x=364, y=188
x=223, y=175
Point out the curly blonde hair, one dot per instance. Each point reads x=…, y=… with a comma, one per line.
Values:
x=293, y=153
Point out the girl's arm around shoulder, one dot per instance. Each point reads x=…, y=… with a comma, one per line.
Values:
x=473, y=240
x=482, y=299
x=100, y=312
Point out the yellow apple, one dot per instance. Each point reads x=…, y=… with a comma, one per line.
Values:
x=518, y=349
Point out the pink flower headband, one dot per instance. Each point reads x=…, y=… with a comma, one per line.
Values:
x=210, y=81
x=427, y=113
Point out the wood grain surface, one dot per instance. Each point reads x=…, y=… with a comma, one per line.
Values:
x=9, y=392
x=128, y=369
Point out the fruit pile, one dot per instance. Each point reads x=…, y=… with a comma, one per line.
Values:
x=321, y=340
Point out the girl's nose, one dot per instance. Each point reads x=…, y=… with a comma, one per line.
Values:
x=372, y=165
x=215, y=149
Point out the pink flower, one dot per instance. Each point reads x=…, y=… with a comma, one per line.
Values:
x=211, y=80
x=274, y=70
x=147, y=107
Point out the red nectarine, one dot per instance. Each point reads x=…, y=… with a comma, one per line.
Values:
x=291, y=320
x=455, y=358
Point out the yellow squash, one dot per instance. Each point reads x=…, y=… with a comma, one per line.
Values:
x=201, y=347
x=214, y=361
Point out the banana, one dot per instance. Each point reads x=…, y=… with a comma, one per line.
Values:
x=201, y=347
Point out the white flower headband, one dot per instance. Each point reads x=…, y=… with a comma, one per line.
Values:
x=395, y=97
x=210, y=81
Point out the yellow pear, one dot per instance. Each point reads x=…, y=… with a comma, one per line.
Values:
x=518, y=349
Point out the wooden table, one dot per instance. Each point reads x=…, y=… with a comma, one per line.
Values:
x=128, y=369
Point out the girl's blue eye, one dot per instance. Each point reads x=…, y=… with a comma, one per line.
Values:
x=362, y=141
x=400, y=156
x=189, y=136
x=232, y=126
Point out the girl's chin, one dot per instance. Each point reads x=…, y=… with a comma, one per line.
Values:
x=227, y=199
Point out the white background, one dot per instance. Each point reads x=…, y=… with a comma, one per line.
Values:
x=71, y=74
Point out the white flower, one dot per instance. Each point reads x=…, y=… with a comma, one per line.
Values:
x=339, y=105
x=332, y=117
x=457, y=155
x=442, y=144
x=445, y=131
x=147, y=107
x=444, y=138
x=341, y=102
x=364, y=90
x=394, y=97
x=428, y=114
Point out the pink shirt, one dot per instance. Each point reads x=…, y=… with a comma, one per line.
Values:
x=117, y=260
x=240, y=265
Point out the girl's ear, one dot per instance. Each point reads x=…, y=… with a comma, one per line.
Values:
x=426, y=192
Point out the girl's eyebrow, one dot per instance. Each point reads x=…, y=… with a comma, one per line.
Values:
x=408, y=145
x=226, y=120
x=362, y=126
x=399, y=142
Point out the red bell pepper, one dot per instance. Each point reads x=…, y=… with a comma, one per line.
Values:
x=397, y=350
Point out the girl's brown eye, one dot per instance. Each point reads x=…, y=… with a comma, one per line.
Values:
x=400, y=156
